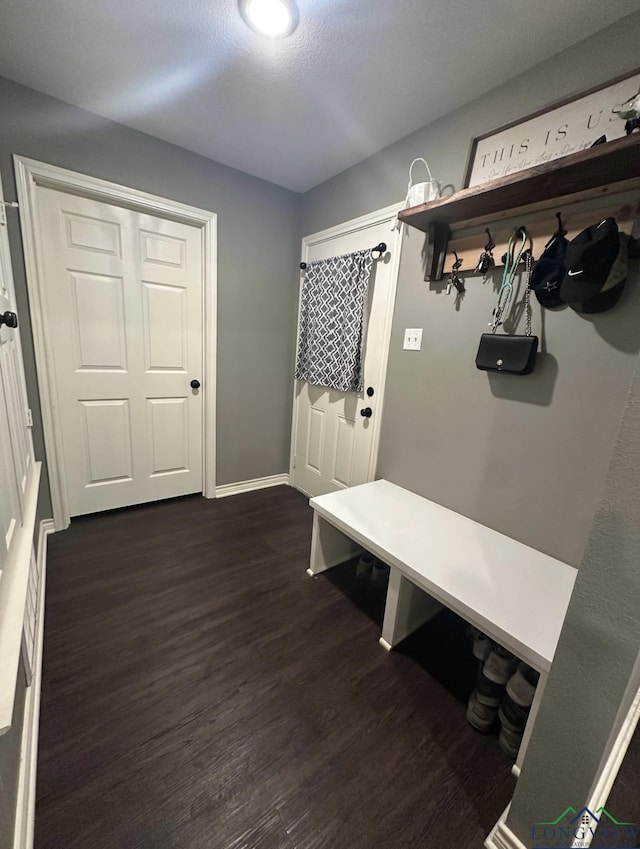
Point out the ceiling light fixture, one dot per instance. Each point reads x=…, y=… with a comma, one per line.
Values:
x=275, y=18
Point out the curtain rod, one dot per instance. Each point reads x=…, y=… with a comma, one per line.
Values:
x=381, y=248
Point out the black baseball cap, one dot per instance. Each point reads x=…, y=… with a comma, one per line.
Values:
x=549, y=270
x=610, y=293
x=589, y=261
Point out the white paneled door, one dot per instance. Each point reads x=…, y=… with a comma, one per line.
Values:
x=124, y=315
x=334, y=444
x=16, y=448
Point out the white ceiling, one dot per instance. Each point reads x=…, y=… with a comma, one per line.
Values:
x=355, y=76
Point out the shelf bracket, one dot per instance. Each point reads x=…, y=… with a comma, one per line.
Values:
x=435, y=251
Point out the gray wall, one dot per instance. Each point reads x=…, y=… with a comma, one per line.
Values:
x=257, y=252
x=382, y=179
x=526, y=456
x=597, y=652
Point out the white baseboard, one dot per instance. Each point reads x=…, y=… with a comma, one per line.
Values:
x=613, y=763
x=501, y=837
x=249, y=486
x=26, y=799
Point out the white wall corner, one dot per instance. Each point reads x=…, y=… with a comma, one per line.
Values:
x=250, y=485
x=46, y=527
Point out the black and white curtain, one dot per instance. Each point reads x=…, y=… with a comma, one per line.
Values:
x=332, y=312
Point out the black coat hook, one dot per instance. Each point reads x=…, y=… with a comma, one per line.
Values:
x=490, y=244
x=455, y=279
x=561, y=231
x=486, y=260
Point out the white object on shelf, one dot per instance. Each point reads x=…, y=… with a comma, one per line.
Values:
x=424, y=192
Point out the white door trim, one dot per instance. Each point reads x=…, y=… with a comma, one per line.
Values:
x=30, y=175
x=380, y=216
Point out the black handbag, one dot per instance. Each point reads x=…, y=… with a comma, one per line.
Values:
x=510, y=354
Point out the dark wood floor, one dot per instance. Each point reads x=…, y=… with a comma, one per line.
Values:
x=202, y=692
x=624, y=799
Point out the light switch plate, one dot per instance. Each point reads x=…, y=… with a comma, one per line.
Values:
x=412, y=339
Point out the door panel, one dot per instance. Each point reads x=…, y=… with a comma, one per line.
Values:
x=315, y=441
x=333, y=443
x=108, y=448
x=165, y=327
x=168, y=435
x=98, y=322
x=93, y=234
x=343, y=461
x=16, y=404
x=124, y=296
x=162, y=249
x=10, y=509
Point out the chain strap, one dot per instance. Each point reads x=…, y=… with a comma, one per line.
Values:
x=528, y=265
x=503, y=303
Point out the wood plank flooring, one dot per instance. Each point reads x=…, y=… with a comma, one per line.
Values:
x=624, y=799
x=200, y=690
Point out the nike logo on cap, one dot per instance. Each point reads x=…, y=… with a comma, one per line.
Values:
x=575, y=273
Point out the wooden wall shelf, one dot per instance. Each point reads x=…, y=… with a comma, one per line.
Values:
x=591, y=173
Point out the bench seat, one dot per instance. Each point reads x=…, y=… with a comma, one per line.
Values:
x=516, y=595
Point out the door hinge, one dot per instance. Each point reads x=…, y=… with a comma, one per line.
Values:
x=29, y=418
x=3, y=214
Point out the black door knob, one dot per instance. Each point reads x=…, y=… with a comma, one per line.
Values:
x=9, y=318
x=370, y=391
x=367, y=412
x=195, y=384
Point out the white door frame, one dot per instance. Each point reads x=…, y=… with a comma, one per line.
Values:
x=31, y=175
x=380, y=216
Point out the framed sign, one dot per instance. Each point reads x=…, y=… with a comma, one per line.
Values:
x=562, y=129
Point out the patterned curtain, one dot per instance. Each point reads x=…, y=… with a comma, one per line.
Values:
x=334, y=296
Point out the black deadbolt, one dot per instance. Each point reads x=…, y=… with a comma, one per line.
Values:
x=366, y=412
x=9, y=318
x=370, y=391
x=195, y=384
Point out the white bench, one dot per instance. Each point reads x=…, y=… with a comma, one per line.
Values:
x=516, y=595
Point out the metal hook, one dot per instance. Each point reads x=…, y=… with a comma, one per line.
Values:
x=455, y=279
x=561, y=230
x=490, y=244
